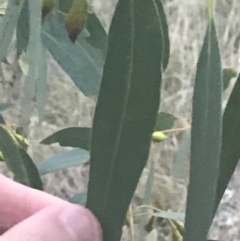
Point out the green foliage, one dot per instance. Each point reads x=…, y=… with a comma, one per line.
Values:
x=164, y=121
x=8, y=25
x=125, y=114
x=74, y=157
x=161, y=17
x=124, y=70
x=230, y=151
x=17, y=160
x=206, y=138
x=79, y=198
x=72, y=137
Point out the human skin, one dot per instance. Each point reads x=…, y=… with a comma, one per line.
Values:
x=29, y=214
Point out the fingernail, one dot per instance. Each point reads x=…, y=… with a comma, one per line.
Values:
x=81, y=224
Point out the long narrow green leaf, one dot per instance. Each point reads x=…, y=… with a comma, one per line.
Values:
x=41, y=84
x=98, y=36
x=125, y=114
x=18, y=161
x=23, y=29
x=72, y=136
x=164, y=31
x=230, y=153
x=32, y=171
x=63, y=160
x=206, y=139
x=34, y=53
x=8, y=25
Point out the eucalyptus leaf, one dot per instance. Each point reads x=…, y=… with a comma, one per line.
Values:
x=205, y=139
x=23, y=29
x=74, y=157
x=72, y=136
x=33, y=174
x=79, y=198
x=230, y=152
x=17, y=160
x=98, y=36
x=8, y=24
x=34, y=58
x=164, y=31
x=125, y=114
x=164, y=121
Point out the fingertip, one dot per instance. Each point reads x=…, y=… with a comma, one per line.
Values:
x=78, y=221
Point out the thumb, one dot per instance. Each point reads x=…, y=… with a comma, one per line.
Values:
x=63, y=223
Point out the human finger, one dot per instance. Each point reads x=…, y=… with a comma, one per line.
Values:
x=63, y=223
x=18, y=202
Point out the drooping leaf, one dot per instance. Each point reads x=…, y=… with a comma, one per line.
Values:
x=205, y=139
x=33, y=173
x=23, y=29
x=125, y=114
x=63, y=160
x=164, y=121
x=41, y=84
x=8, y=25
x=80, y=61
x=230, y=152
x=164, y=31
x=183, y=156
x=72, y=136
x=98, y=36
x=76, y=18
x=34, y=54
x=22, y=166
x=79, y=198
x=228, y=75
